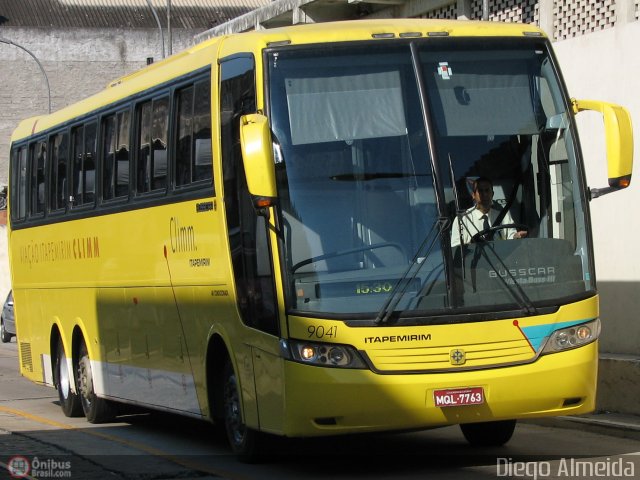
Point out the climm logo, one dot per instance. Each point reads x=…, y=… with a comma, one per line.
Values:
x=183, y=239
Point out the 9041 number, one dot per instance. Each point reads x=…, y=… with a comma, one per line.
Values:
x=320, y=331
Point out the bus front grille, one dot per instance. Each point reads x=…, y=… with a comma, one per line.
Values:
x=451, y=357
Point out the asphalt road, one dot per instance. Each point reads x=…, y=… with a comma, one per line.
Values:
x=38, y=441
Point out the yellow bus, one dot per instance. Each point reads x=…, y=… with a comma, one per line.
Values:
x=264, y=231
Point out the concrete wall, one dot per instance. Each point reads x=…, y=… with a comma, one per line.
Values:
x=78, y=63
x=606, y=66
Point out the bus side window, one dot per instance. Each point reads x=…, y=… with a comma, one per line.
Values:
x=202, y=156
x=153, y=133
x=59, y=148
x=83, y=140
x=18, y=190
x=38, y=169
x=193, y=160
x=248, y=240
x=115, y=156
x=160, y=136
x=121, y=176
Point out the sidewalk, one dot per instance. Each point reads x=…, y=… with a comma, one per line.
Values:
x=606, y=423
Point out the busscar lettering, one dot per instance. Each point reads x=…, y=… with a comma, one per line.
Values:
x=398, y=338
x=522, y=272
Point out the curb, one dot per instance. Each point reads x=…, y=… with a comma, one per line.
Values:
x=606, y=423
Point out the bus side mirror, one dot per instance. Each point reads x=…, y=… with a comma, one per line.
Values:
x=619, y=139
x=257, y=155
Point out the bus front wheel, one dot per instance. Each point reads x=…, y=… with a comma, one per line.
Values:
x=69, y=401
x=97, y=410
x=488, y=434
x=245, y=442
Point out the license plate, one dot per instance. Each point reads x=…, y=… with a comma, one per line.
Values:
x=458, y=396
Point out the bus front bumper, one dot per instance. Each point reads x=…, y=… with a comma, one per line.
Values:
x=329, y=401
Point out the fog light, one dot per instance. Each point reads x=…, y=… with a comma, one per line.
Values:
x=583, y=333
x=308, y=352
x=572, y=337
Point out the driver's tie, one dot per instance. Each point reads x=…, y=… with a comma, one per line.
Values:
x=485, y=226
x=485, y=222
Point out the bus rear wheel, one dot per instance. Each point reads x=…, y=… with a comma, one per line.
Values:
x=488, y=434
x=69, y=401
x=245, y=442
x=97, y=410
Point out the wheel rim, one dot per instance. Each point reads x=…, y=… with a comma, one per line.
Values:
x=85, y=381
x=233, y=417
x=63, y=377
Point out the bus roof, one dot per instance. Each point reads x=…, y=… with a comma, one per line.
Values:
x=352, y=30
x=205, y=53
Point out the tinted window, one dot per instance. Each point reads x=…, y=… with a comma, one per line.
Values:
x=193, y=149
x=153, y=133
x=38, y=163
x=247, y=231
x=83, y=139
x=115, y=146
x=19, y=184
x=59, y=148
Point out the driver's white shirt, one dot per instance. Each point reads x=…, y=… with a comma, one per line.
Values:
x=471, y=222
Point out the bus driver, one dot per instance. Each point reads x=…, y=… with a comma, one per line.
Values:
x=482, y=216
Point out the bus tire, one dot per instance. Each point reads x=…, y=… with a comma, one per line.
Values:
x=69, y=401
x=97, y=410
x=488, y=434
x=245, y=442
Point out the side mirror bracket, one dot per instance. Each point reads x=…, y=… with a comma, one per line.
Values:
x=619, y=143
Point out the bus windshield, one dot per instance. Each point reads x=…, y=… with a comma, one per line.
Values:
x=378, y=148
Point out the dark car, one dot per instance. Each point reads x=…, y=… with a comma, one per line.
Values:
x=7, y=321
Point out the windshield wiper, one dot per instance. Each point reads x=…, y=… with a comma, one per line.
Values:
x=340, y=253
x=419, y=259
x=517, y=292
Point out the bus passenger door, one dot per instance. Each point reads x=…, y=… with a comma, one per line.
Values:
x=257, y=353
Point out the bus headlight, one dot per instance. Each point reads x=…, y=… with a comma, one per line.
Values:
x=325, y=354
x=573, y=337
